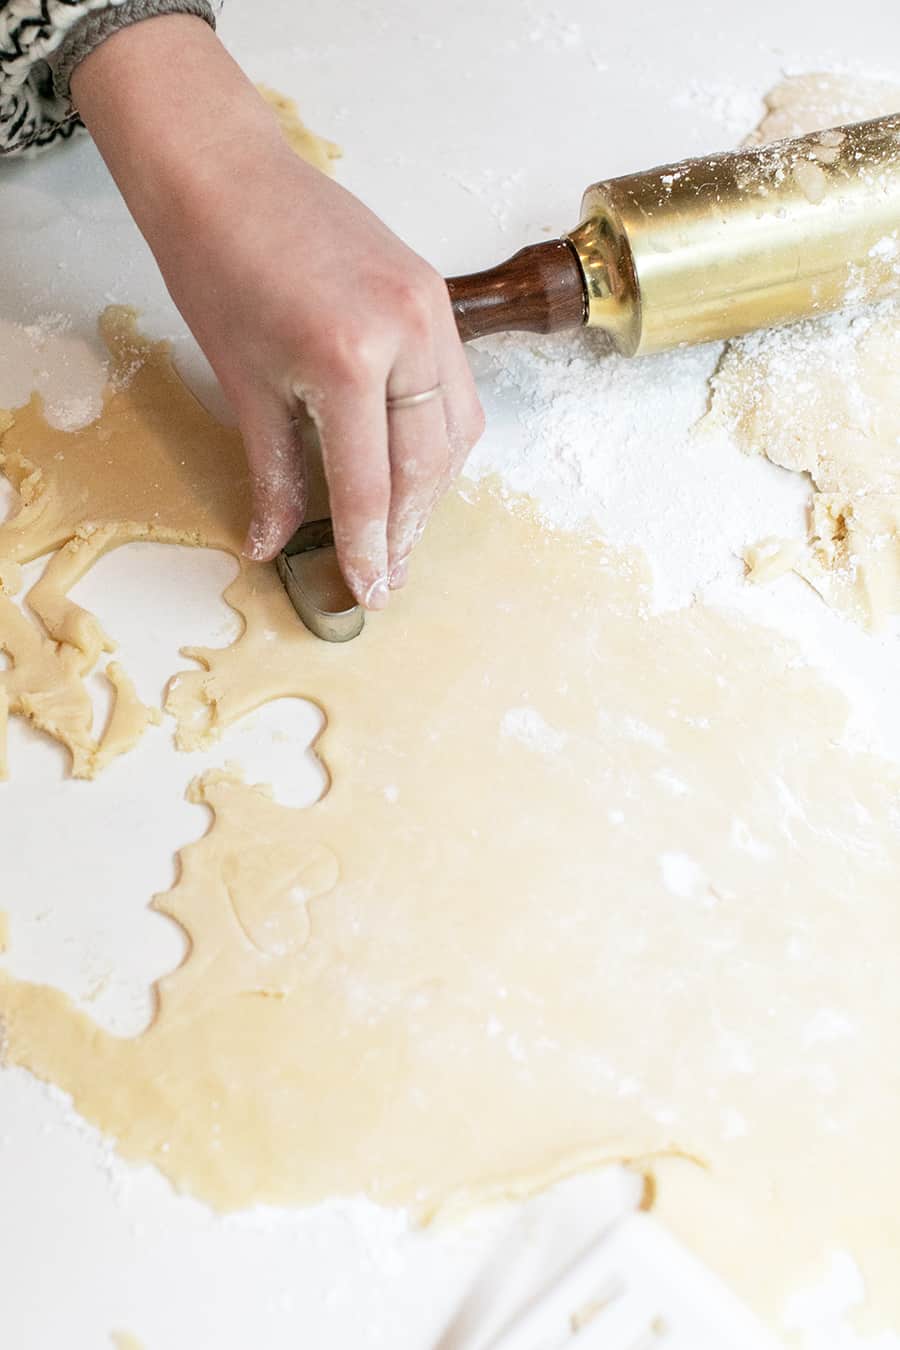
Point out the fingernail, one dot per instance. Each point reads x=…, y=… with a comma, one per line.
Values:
x=377, y=594
x=400, y=575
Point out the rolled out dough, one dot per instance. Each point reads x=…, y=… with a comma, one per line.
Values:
x=823, y=398
x=582, y=887
x=587, y=883
x=125, y=476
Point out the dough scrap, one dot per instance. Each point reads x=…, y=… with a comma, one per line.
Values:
x=128, y=720
x=305, y=143
x=823, y=397
x=802, y=104
x=124, y=1340
x=45, y=685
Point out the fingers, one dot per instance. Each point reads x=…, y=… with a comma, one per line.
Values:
x=275, y=459
x=463, y=410
x=352, y=422
x=385, y=468
x=429, y=444
x=419, y=457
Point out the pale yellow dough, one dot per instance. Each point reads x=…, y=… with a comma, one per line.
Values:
x=305, y=143
x=583, y=887
x=128, y=719
x=823, y=398
x=588, y=883
x=126, y=476
x=124, y=1340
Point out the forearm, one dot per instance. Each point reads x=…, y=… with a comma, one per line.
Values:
x=42, y=41
x=168, y=108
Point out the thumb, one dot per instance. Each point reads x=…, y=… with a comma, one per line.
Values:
x=275, y=458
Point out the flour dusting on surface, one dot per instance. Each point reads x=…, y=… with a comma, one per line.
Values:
x=681, y=875
x=527, y=726
x=610, y=444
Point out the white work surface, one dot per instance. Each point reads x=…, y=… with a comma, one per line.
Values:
x=472, y=129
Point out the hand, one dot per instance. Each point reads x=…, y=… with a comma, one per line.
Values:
x=294, y=290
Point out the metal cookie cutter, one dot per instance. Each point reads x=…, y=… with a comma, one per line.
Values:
x=315, y=587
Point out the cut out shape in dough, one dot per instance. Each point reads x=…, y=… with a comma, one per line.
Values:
x=823, y=398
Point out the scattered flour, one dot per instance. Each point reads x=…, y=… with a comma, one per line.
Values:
x=733, y=107
x=47, y=357
x=528, y=726
x=734, y=1125
x=681, y=875
x=608, y=443
x=624, y=449
x=826, y=1025
x=821, y=1315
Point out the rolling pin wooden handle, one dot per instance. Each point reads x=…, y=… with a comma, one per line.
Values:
x=541, y=289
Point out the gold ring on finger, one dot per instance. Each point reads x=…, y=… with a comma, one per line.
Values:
x=414, y=400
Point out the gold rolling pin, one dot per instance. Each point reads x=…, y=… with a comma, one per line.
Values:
x=697, y=251
x=710, y=248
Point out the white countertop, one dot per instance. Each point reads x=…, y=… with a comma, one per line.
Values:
x=472, y=129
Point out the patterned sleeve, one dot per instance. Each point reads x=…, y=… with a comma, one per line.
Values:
x=42, y=41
